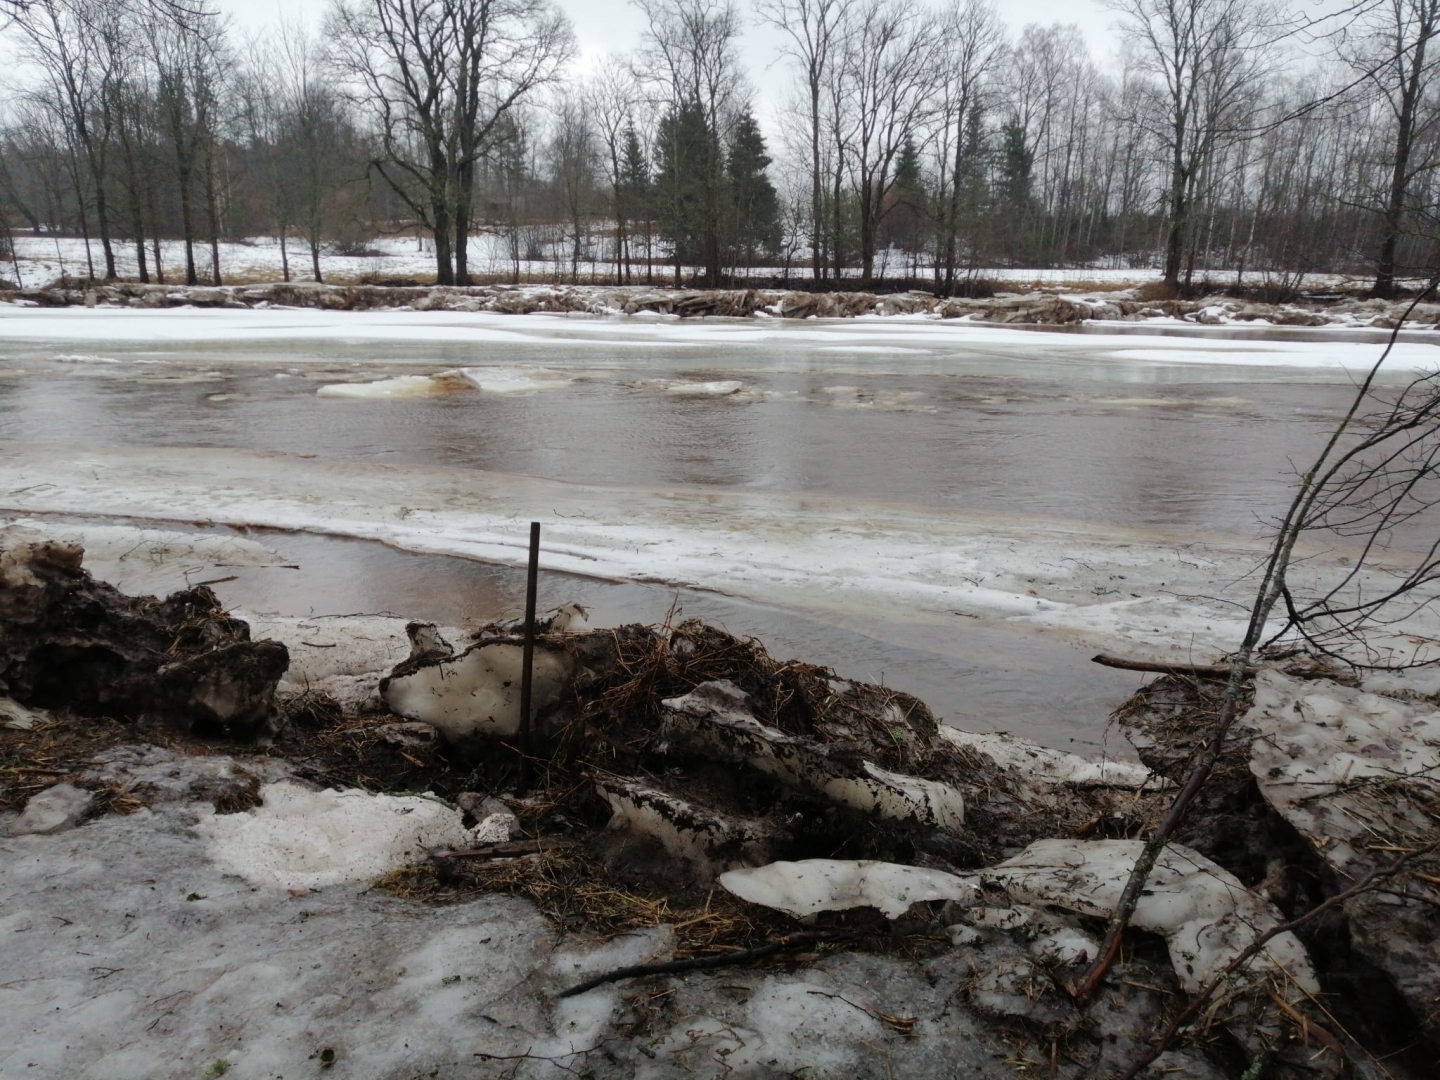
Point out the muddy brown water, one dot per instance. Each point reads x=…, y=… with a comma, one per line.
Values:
x=1089, y=439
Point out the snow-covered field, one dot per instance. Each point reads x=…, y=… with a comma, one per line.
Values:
x=44, y=259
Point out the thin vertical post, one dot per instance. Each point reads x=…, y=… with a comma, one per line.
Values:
x=527, y=662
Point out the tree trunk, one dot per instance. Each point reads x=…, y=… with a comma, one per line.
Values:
x=464, y=184
x=817, y=185
x=187, y=227
x=1392, y=220
x=444, y=267
x=1179, y=212
x=212, y=210
x=867, y=234
x=315, y=259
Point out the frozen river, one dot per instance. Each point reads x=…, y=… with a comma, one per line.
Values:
x=964, y=512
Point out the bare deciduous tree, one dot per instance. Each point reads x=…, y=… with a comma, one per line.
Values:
x=814, y=32
x=1207, y=58
x=440, y=78
x=892, y=60
x=690, y=53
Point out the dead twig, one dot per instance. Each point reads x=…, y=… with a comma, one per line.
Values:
x=499, y=850
x=1199, y=671
x=698, y=963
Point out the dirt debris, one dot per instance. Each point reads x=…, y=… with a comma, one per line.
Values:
x=70, y=642
x=1040, y=308
x=1277, y=815
x=670, y=755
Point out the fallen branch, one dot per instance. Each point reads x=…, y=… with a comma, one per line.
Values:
x=700, y=963
x=1202, y=999
x=500, y=850
x=1201, y=671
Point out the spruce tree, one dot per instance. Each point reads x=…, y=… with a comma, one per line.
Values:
x=634, y=194
x=687, y=153
x=755, y=207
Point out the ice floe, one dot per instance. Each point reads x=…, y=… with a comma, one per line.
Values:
x=1206, y=916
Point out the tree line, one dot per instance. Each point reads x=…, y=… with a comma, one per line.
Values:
x=1223, y=139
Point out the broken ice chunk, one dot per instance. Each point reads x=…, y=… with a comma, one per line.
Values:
x=814, y=885
x=893, y=795
x=1206, y=916
x=477, y=692
x=1039, y=767
x=715, y=719
x=707, y=839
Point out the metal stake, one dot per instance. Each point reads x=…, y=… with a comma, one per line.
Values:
x=527, y=662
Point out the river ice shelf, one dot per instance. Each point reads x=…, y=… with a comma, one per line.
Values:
x=1111, y=588
x=91, y=327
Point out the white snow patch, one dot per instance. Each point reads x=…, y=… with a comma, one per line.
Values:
x=814, y=885
x=304, y=839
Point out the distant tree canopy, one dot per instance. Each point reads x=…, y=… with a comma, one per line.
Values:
x=921, y=140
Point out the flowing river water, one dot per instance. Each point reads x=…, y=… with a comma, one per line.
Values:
x=1170, y=441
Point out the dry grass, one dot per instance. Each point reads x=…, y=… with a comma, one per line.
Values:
x=57, y=752
x=575, y=891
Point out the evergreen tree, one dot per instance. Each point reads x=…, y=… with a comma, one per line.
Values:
x=635, y=196
x=1017, y=165
x=687, y=154
x=902, y=223
x=754, y=205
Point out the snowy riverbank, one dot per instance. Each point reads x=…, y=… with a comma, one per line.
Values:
x=1032, y=304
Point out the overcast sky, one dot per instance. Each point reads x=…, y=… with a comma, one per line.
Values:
x=611, y=26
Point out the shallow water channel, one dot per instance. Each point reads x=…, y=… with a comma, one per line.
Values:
x=1032, y=427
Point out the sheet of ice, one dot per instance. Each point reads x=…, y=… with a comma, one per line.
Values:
x=147, y=561
x=1206, y=916
x=304, y=839
x=400, y=386
x=515, y=380
x=91, y=326
x=1336, y=763
x=925, y=565
x=712, y=388
x=813, y=885
x=1039, y=767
